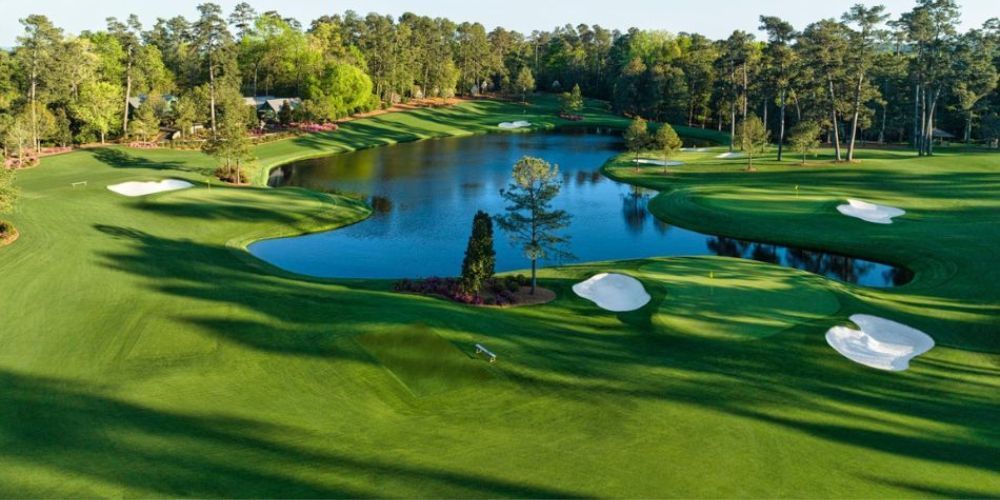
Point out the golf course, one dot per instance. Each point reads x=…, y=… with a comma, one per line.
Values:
x=145, y=353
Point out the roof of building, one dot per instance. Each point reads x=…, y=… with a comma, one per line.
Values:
x=258, y=100
x=136, y=101
x=276, y=104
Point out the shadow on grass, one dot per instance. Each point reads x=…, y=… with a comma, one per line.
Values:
x=569, y=350
x=121, y=158
x=62, y=427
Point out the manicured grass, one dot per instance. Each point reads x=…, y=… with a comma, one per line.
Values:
x=718, y=304
x=947, y=236
x=144, y=353
x=423, y=361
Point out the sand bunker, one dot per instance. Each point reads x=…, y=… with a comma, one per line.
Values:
x=662, y=163
x=694, y=150
x=613, y=292
x=147, y=188
x=518, y=124
x=731, y=154
x=881, y=344
x=870, y=212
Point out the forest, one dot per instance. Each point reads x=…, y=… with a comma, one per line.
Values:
x=862, y=78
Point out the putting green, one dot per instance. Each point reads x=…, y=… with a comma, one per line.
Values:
x=737, y=299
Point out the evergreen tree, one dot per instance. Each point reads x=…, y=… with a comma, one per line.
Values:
x=285, y=113
x=823, y=48
x=572, y=102
x=530, y=221
x=525, y=83
x=127, y=34
x=976, y=75
x=213, y=40
x=146, y=124
x=804, y=138
x=751, y=137
x=231, y=145
x=480, y=258
x=780, y=63
x=861, y=59
x=35, y=58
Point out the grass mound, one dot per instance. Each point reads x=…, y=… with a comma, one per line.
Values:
x=737, y=299
x=422, y=361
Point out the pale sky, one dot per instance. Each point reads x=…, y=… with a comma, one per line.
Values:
x=713, y=18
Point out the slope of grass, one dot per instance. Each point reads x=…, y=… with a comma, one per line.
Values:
x=143, y=353
x=947, y=236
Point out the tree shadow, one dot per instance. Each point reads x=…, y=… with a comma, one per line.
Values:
x=63, y=427
x=569, y=350
x=121, y=158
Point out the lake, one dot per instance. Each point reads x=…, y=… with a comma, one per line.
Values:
x=424, y=196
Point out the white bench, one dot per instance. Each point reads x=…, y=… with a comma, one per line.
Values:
x=482, y=350
x=78, y=184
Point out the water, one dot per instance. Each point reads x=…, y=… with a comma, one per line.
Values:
x=425, y=194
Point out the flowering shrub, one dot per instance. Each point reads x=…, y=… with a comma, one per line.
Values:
x=315, y=127
x=498, y=291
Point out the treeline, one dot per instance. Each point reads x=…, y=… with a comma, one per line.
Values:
x=861, y=77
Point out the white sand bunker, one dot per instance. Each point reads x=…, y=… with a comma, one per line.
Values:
x=694, y=150
x=871, y=212
x=613, y=292
x=881, y=344
x=147, y=188
x=662, y=163
x=518, y=124
x=731, y=154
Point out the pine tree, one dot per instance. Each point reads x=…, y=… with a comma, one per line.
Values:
x=804, y=138
x=530, y=221
x=525, y=83
x=480, y=258
x=751, y=137
x=572, y=102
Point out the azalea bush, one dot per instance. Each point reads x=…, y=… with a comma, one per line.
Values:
x=500, y=291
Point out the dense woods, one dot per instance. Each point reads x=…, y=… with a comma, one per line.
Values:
x=863, y=77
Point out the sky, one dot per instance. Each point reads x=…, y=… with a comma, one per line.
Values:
x=713, y=18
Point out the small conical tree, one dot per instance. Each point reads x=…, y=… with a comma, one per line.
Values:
x=480, y=258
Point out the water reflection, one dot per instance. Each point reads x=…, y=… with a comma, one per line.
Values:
x=380, y=204
x=424, y=195
x=827, y=264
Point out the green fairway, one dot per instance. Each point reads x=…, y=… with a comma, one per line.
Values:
x=144, y=353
